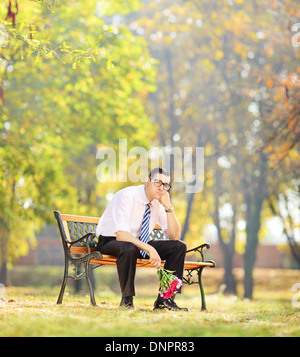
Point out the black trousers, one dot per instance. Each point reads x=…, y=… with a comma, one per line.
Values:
x=172, y=251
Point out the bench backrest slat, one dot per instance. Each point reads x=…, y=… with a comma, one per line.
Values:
x=79, y=229
x=73, y=218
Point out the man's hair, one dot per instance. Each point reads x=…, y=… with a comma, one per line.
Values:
x=159, y=170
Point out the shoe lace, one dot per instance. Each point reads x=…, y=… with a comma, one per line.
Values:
x=173, y=303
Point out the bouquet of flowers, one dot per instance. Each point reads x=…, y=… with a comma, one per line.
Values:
x=168, y=283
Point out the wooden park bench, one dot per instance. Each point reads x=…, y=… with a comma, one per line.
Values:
x=79, y=242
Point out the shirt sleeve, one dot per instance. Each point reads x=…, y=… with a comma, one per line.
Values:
x=162, y=219
x=121, y=212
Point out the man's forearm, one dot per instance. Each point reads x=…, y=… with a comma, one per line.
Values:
x=174, y=229
x=123, y=236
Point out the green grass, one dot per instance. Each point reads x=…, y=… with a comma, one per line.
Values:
x=32, y=311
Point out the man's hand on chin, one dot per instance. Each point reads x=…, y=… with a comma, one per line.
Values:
x=165, y=199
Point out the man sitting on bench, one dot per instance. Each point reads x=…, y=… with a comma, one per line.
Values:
x=124, y=228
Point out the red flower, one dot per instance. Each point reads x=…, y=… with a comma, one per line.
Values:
x=169, y=284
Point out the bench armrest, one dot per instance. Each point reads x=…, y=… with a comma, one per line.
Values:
x=86, y=237
x=199, y=249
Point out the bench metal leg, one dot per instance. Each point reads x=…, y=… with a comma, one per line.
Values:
x=64, y=283
x=203, y=303
x=88, y=279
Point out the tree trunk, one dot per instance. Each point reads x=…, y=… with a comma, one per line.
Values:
x=228, y=249
x=228, y=254
x=3, y=273
x=253, y=225
x=228, y=278
x=249, y=261
x=3, y=260
x=294, y=247
x=254, y=198
x=187, y=217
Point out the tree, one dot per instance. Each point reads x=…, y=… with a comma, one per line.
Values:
x=216, y=88
x=70, y=82
x=250, y=70
x=282, y=143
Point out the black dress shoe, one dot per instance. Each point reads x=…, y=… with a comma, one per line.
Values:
x=169, y=304
x=127, y=301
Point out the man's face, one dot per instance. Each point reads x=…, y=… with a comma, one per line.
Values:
x=154, y=191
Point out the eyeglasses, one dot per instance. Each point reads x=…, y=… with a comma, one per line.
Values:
x=158, y=183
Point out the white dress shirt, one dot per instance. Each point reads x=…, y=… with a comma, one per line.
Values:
x=126, y=210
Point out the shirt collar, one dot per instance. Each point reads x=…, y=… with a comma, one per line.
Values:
x=143, y=195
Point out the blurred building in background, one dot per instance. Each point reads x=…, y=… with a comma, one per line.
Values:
x=49, y=251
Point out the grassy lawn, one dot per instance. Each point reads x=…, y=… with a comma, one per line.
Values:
x=32, y=310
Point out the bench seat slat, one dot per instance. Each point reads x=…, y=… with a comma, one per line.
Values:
x=111, y=260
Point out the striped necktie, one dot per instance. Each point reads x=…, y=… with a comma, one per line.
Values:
x=145, y=228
